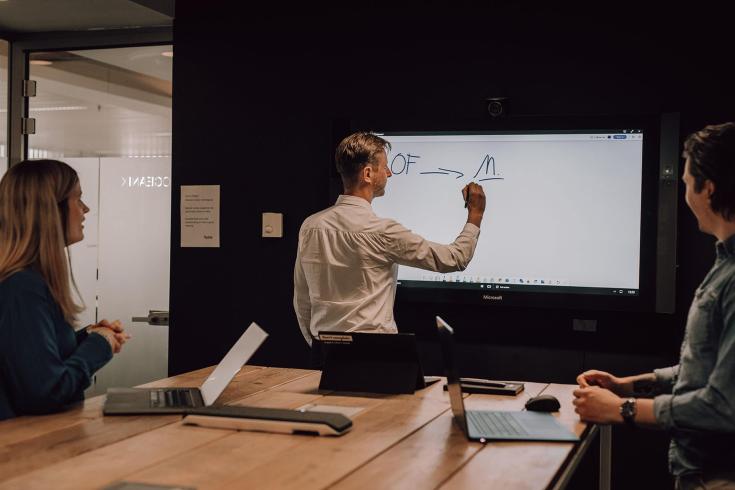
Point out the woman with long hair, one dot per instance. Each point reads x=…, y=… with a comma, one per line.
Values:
x=44, y=364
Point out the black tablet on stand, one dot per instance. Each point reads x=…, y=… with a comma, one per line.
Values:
x=370, y=362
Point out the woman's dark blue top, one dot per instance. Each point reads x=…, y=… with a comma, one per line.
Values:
x=44, y=364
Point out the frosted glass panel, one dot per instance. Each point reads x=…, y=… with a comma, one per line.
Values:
x=101, y=103
x=84, y=253
x=134, y=243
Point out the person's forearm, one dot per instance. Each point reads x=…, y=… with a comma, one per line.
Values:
x=411, y=249
x=640, y=385
x=475, y=218
x=81, y=334
x=645, y=416
x=64, y=381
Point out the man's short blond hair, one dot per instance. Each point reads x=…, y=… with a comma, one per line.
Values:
x=356, y=151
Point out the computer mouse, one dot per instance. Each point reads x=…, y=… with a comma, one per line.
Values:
x=543, y=403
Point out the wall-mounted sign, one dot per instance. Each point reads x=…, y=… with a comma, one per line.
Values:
x=200, y=216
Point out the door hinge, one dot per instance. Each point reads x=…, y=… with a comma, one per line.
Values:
x=28, y=125
x=29, y=88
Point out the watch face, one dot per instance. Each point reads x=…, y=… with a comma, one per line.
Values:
x=627, y=409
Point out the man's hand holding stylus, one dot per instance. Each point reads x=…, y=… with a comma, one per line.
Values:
x=474, y=197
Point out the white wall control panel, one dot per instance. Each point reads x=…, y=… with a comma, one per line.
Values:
x=272, y=225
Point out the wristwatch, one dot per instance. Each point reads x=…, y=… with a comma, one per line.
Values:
x=628, y=410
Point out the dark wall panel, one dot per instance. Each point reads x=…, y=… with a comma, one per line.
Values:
x=258, y=95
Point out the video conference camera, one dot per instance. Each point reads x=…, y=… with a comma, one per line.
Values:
x=497, y=106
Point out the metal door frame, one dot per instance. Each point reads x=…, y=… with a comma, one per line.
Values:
x=22, y=45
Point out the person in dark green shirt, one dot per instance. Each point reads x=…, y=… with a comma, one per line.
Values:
x=44, y=364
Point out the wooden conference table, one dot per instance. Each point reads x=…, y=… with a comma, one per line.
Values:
x=397, y=441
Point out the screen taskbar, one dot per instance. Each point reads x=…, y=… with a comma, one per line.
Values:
x=519, y=288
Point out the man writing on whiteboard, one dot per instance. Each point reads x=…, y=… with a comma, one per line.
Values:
x=694, y=400
x=347, y=260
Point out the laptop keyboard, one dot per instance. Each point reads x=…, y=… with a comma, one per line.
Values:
x=496, y=423
x=171, y=398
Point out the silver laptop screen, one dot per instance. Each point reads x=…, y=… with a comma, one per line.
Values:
x=238, y=355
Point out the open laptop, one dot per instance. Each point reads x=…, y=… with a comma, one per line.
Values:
x=133, y=401
x=488, y=425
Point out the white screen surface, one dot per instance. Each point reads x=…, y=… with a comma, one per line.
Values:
x=562, y=209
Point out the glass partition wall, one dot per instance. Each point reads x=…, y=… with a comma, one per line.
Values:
x=107, y=112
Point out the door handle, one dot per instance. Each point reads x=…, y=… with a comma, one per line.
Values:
x=155, y=317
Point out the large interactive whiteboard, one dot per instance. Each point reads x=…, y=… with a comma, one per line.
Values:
x=563, y=209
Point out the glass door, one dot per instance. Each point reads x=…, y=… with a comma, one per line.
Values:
x=107, y=112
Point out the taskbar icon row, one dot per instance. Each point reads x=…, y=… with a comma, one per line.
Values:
x=492, y=280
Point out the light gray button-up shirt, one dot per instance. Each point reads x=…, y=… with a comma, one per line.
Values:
x=347, y=265
x=699, y=410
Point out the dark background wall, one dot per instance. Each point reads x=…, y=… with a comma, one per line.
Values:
x=257, y=96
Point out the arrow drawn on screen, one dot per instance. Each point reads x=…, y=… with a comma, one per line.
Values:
x=445, y=171
x=453, y=171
